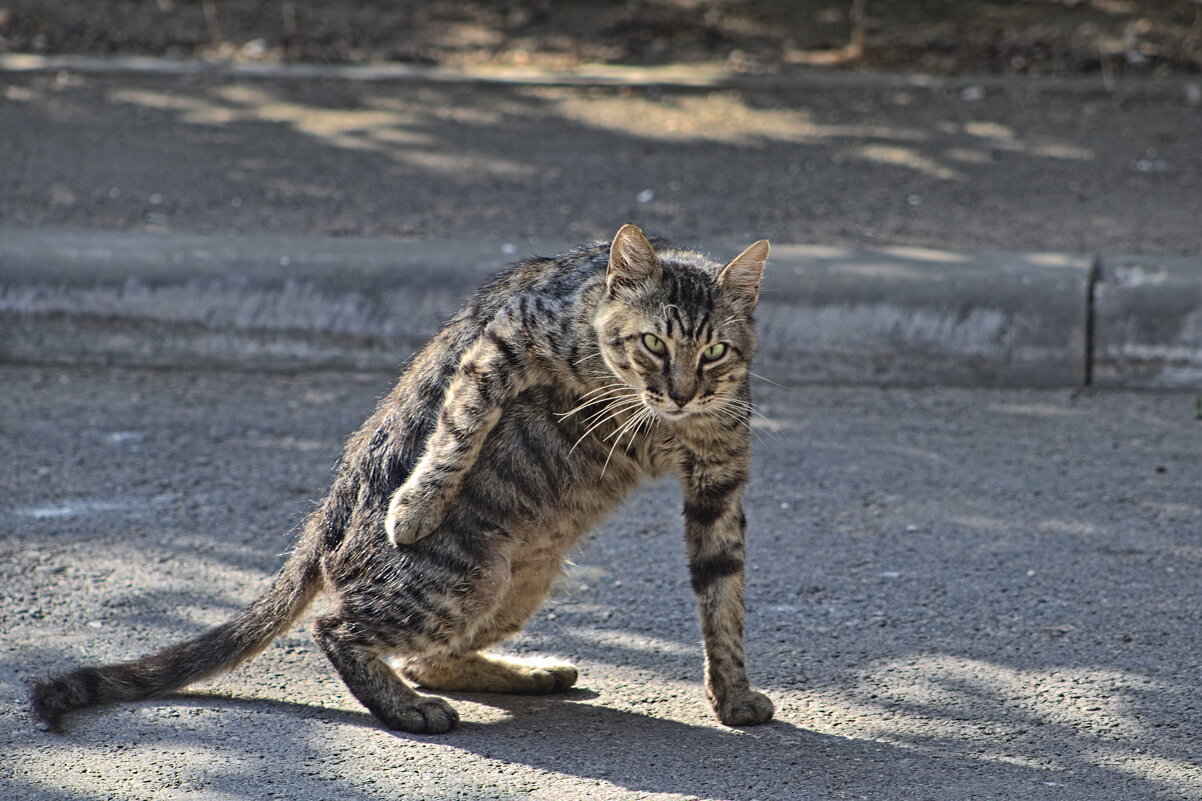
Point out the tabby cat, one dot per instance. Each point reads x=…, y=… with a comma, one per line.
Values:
x=530, y=415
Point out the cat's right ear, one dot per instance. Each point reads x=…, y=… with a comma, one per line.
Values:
x=632, y=260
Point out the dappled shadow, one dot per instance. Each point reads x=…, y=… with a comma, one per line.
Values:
x=567, y=737
x=837, y=164
x=778, y=760
x=970, y=593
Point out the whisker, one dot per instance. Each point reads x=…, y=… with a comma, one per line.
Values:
x=610, y=390
x=754, y=433
x=748, y=405
x=736, y=410
x=605, y=387
x=628, y=427
x=728, y=321
x=581, y=407
x=662, y=317
x=605, y=408
x=640, y=418
x=622, y=406
x=636, y=416
x=727, y=413
x=650, y=419
x=625, y=426
x=769, y=380
x=615, y=405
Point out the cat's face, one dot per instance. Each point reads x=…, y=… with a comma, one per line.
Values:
x=676, y=332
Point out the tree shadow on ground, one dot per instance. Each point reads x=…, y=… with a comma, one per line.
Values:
x=834, y=164
x=573, y=738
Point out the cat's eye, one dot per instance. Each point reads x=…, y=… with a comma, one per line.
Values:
x=714, y=352
x=654, y=344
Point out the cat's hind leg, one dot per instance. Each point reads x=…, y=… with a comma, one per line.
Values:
x=471, y=670
x=491, y=673
x=376, y=685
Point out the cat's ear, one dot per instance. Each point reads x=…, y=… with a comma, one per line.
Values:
x=632, y=260
x=741, y=278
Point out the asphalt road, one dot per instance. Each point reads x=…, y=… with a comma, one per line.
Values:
x=952, y=594
x=1005, y=165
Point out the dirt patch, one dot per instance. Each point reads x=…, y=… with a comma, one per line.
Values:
x=1035, y=37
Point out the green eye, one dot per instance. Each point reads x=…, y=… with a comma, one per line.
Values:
x=714, y=352
x=654, y=343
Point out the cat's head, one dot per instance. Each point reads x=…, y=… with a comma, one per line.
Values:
x=677, y=328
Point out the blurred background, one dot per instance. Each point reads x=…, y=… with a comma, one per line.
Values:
x=1027, y=37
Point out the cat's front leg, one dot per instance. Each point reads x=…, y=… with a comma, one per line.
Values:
x=714, y=535
x=498, y=366
x=414, y=512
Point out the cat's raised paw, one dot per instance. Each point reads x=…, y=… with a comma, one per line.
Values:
x=407, y=522
x=749, y=708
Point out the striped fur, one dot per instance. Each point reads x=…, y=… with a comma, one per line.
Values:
x=524, y=421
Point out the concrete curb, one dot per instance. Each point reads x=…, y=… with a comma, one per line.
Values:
x=1148, y=322
x=887, y=316
x=921, y=316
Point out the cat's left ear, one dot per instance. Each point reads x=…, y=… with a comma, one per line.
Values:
x=741, y=278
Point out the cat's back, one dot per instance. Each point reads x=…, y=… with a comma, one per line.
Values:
x=556, y=277
x=382, y=453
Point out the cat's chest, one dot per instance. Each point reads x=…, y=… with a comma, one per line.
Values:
x=612, y=458
x=567, y=465
x=587, y=471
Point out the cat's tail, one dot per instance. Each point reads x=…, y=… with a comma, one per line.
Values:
x=215, y=651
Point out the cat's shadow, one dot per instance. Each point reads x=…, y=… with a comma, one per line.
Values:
x=565, y=734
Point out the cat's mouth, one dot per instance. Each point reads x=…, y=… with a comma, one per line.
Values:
x=669, y=411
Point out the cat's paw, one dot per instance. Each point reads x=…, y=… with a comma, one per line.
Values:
x=409, y=520
x=547, y=678
x=493, y=673
x=748, y=708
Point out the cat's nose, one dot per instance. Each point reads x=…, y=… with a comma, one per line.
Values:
x=680, y=398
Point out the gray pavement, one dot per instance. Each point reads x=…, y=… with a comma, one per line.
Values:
x=952, y=594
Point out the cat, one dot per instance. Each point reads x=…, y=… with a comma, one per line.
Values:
x=558, y=386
